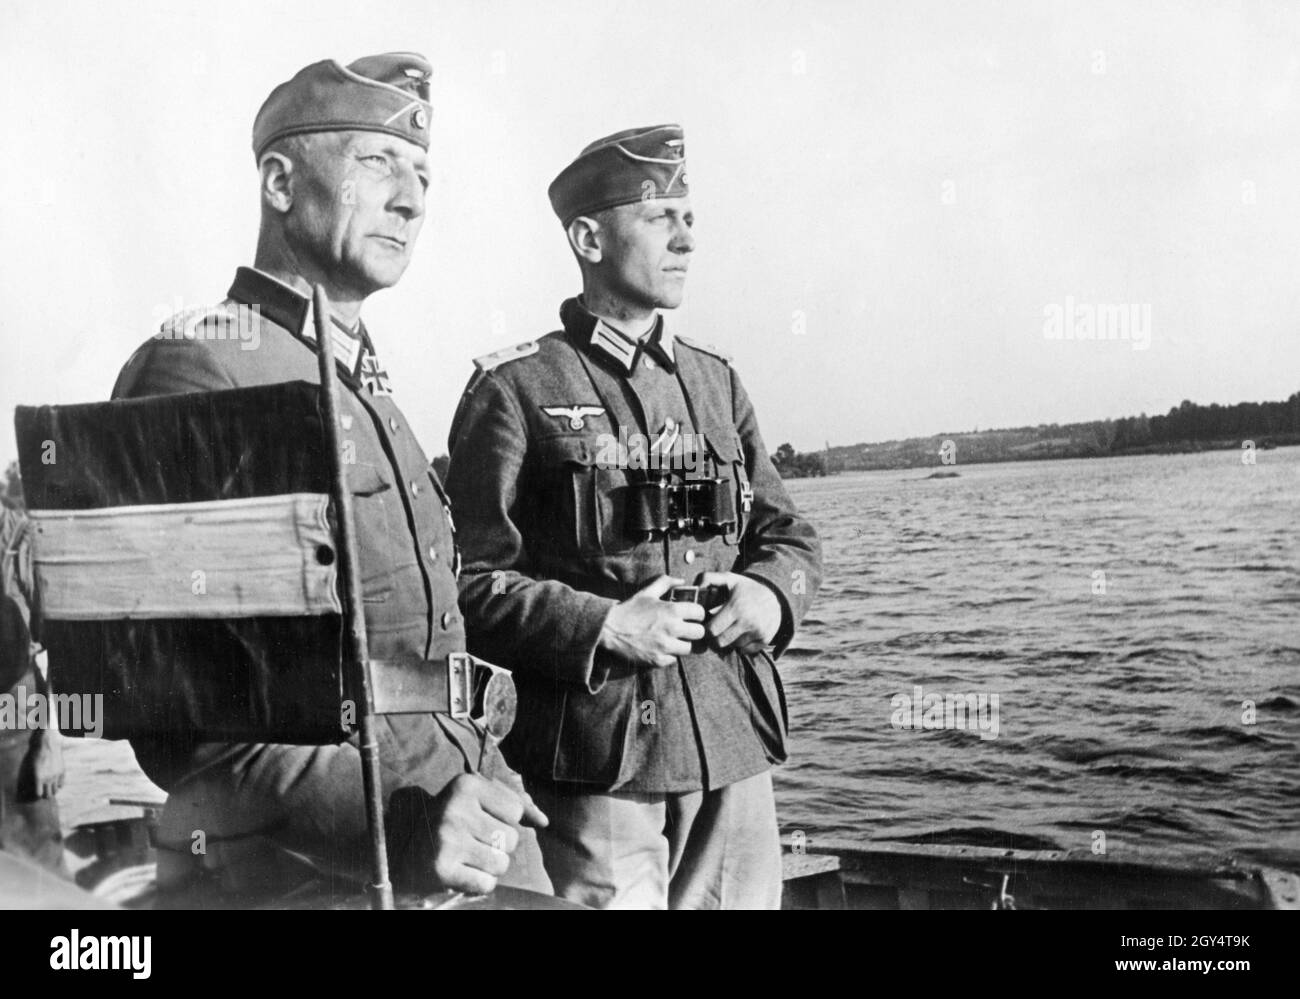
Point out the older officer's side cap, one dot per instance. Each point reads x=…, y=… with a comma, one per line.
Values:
x=639, y=164
x=379, y=93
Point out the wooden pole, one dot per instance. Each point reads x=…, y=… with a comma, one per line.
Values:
x=357, y=649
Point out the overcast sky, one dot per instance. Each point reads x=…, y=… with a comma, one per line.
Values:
x=890, y=197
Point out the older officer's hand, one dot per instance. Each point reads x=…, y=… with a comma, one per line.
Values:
x=648, y=631
x=474, y=832
x=750, y=618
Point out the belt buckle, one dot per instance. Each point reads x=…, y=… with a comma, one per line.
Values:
x=475, y=684
x=460, y=683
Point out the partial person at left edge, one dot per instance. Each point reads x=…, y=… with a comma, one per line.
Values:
x=31, y=759
x=342, y=156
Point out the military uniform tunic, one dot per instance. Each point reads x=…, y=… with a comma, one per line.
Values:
x=541, y=504
x=312, y=794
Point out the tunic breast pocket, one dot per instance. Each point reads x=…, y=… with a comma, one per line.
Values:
x=582, y=503
x=737, y=498
x=365, y=479
x=373, y=504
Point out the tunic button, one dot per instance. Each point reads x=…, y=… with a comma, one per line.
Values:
x=690, y=555
x=415, y=488
x=433, y=554
x=446, y=621
x=650, y=364
x=392, y=422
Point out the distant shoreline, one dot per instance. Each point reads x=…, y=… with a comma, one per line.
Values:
x=1187, y=428
x=1192, y=447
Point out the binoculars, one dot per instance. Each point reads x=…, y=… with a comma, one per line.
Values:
x=708, y=597
x=660, y=505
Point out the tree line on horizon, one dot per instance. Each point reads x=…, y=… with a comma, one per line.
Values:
x=1186, y=427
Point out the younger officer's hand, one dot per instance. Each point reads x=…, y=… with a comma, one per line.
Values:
x=750, y=618
x=474, y=832
x=647, y=630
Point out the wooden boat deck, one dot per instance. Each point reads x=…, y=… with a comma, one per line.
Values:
x=890, y=875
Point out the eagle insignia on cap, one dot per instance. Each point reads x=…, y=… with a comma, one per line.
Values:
x=637, y=164
x=373, y=93
x=576, y=414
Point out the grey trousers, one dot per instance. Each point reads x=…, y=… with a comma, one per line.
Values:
x=715, y=849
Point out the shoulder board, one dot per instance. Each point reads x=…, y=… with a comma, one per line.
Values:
x=184, y=324
x=494, y=360
x=706, y=348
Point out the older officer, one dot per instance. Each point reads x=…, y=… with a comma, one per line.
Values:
x=592, y=471
x=342, y=156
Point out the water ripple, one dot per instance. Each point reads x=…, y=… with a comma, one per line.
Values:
x=1136, y=618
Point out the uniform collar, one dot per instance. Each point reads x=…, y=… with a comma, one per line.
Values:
x=601, y=339
x=279, y=303
x=286, y=306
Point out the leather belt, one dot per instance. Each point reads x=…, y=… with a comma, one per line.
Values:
x=461, y=685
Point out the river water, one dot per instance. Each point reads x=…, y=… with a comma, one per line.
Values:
x=1126, y=626
x=1136, y=618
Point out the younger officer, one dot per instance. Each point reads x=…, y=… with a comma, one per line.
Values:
x=592, y=471
x=342, y=155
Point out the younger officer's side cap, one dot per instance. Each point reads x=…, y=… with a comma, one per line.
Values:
x=379, y=93
x=638, y=164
